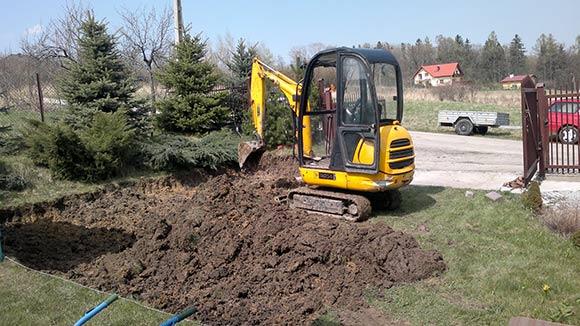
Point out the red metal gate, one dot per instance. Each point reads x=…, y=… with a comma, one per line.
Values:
x=531, y=130
x=560, y=118
x=550, y=130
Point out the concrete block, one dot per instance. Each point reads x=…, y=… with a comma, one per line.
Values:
x=493, y=196
x=469, y=194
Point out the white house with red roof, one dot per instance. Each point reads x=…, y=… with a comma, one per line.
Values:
x=438, y=75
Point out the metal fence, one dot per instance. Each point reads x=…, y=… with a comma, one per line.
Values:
x=551, y=130
x=30, y=99
x=561, y=122
x=38, y=98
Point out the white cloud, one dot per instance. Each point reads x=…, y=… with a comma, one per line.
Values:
x=33, y=30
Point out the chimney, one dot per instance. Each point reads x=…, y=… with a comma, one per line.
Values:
x=438, y=68
x=511, y=75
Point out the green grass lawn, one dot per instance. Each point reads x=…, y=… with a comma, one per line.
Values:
x=16, y=119
x=31, y=298
x=422, y=116
x=499, y=258
x=43, y=187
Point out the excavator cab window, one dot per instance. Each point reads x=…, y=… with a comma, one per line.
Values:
x=321, y=111
x=385, y=79
x=358, y=116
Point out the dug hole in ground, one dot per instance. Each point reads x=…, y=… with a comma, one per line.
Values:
x=221, y=243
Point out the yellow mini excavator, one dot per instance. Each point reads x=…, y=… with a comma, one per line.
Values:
x=352, y=151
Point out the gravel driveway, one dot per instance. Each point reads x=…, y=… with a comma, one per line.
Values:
x=474, y=162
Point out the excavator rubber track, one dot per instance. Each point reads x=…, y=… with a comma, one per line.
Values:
x=350, y=207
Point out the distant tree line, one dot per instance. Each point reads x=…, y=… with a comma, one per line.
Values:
x=144, y=45
x=551, y=61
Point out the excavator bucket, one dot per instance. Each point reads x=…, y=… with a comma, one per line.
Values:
x=250, y=152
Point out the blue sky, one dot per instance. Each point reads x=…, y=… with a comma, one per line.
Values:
x=281, y=25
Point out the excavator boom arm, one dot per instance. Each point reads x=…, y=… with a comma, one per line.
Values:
x=261, y=72
x=291, y=90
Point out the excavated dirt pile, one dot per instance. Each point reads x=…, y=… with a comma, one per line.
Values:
x=223, y=245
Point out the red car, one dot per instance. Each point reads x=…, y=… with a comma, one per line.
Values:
x=564, y=120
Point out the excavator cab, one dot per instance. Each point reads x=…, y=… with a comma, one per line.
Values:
x=353, y=151
x=347, y=95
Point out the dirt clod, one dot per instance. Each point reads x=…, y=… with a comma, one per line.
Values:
x=225, y=246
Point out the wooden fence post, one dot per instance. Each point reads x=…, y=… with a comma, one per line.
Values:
x=40, y=98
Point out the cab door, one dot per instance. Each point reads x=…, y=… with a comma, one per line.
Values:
x=358, y=118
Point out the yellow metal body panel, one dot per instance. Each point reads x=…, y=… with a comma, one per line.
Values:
x=386, y=179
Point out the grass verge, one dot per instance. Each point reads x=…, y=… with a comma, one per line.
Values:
x=502, y=262
x=43, y=187
x=31, y=298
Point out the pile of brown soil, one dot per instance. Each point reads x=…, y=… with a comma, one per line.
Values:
x=224, y=246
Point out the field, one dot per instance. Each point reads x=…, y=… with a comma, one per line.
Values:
x=422, y=116
x=221, y=243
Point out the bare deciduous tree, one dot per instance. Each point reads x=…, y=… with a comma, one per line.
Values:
x=147, y=34
x=59, y=38
x=221, y=53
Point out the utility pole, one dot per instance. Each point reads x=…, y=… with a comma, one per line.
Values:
x=178, y=19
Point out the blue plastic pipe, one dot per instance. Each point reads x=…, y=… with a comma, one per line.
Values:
x=93, y=312
x=180, y=316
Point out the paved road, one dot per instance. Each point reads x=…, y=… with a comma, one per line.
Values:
x=466, y=161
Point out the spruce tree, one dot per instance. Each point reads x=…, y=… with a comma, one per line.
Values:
x=517, y=56
x=492, y=61
x=552, y=64
x=240, y=63
x=240, y=66
x=298, y=67
x=98, y=80
x=191, y=106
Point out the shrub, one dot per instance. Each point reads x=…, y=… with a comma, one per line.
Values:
x=67, y=156
x=9, y=181
x=575, y=238
x=458, y=93
x=563, y=218
x=10, y=142
x=278, y=125
x=172, y=152
x=217, y=149
x=109, y=140
x=278, y=128
x=98, y=152
x=165, y=152
x=532, y=197
x=38, y=138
